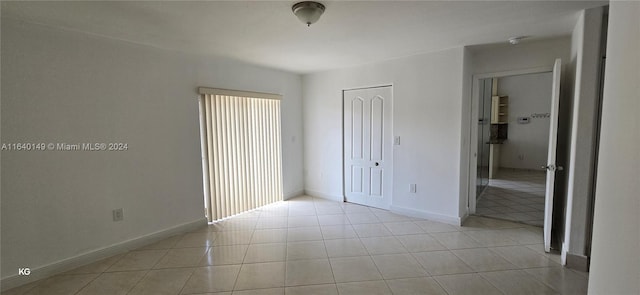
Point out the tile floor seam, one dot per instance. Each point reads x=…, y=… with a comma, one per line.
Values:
x=284, y=276
x=430, y=277
x=470, y=273
x=540, y=281
x=329, y=260
x=381, y=275
x=528, y=275
x=147, y=271
x=425, y=269
x=441, y=286
x=138, y=282
x=79, y=290
x=235, y=282
x=463, y=262
x=492, y=284
x=187, y=281
x=536, y=253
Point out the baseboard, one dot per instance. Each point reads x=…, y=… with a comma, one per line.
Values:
x=322, y=195
x=427, y=215
x=577, y=262
x=293, y=195
x=45, y=271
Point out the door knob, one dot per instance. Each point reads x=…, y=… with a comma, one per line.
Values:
x=552, y=167
x=377, y=164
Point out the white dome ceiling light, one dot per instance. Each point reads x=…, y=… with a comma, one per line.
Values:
x=308, y=12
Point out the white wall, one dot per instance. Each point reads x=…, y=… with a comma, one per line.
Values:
x=615, y=263
x=60, y=86
x=526, y=55
x=586, y=39
x=527, y=144
x=427, y=108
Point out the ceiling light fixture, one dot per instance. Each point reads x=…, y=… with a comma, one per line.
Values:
x=308, y=12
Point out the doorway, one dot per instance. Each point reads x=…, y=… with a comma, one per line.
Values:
x=516, y=148
x=368, y=146
x=502, y=120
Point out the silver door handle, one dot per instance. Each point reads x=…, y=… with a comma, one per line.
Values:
x=552, y=167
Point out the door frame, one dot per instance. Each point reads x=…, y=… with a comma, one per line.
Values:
x=391, y=136
x=473, y=129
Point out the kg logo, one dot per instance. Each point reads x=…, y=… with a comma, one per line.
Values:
x=24, y=271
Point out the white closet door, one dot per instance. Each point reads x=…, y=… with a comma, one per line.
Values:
x=368, y=145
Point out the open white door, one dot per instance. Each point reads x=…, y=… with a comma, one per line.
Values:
x=368, y=146
x=551, y=166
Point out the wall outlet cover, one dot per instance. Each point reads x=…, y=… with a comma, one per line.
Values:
x=118, y=214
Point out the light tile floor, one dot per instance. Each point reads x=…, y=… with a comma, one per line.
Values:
x=314, y=246
x=516, y=195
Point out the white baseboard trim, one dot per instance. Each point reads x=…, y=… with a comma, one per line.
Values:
x=322, y=195
x=45, y=271
x=292, y=195
x=427, y=215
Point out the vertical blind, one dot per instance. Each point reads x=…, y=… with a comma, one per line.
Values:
x=241, y=151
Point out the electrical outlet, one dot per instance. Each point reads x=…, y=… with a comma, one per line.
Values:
x=412, y=188
x=118, y=214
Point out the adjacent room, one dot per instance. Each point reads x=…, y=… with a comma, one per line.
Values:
x=331, y=147
x=513, y=147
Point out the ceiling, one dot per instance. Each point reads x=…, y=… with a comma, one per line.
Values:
x=267, y=33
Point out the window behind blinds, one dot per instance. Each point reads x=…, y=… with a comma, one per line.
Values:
x=241, y=151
